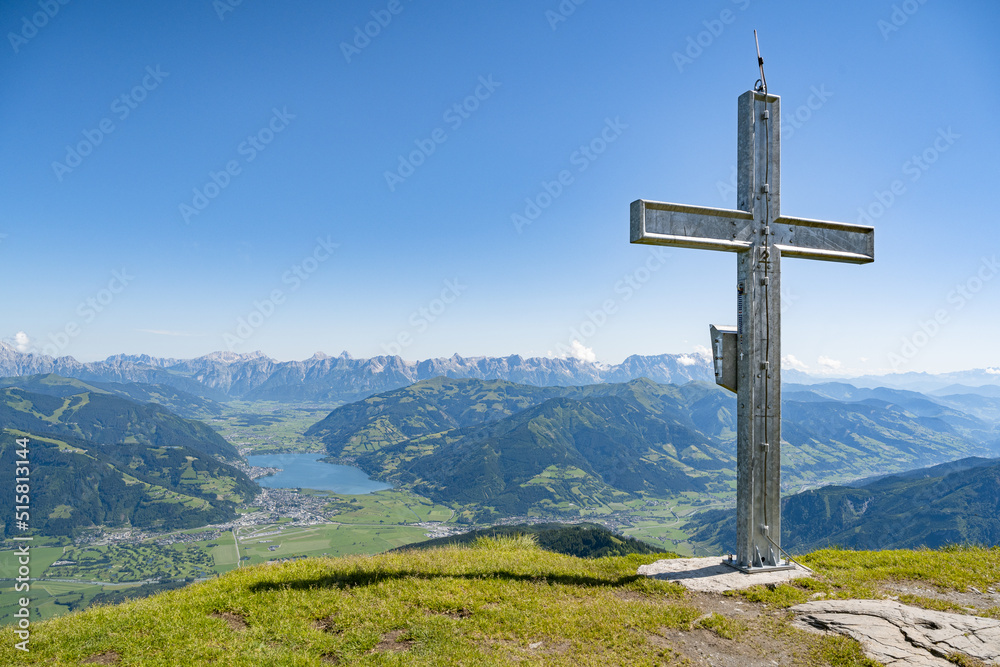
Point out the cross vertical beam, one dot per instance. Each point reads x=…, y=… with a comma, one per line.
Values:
x=758, y=446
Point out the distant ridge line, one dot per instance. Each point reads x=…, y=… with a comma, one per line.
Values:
x=225, y=375
x=255, y=376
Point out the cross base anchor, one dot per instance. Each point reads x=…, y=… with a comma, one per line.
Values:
x=731, y=561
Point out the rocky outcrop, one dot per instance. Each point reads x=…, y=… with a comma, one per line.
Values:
x=897, y=634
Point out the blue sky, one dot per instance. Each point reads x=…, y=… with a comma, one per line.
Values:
x=192, y=176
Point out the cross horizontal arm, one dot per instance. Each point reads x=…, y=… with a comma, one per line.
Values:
x=820, y=239
x=706, y=228
x=702, y=227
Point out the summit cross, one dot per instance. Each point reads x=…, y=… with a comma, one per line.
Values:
x=747, y=357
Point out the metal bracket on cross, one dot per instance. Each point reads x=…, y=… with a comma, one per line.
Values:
x=747, y=357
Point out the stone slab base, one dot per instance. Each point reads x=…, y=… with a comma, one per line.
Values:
x=712, y=576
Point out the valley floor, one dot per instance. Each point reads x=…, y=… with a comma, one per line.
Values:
x=283, y=525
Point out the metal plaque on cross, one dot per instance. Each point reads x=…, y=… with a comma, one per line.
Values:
x=748, y=355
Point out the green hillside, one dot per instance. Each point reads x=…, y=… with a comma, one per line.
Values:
x=441, y=404
x=107, y=419
x=826, y=436
x=500, y=602
x=585, y=540
x=496, y=448
x=431, y=406
x=562, y=452
x=953, y=503
x=175, y=400
x=76, y=484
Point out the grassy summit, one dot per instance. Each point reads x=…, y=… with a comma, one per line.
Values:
x=502, y=601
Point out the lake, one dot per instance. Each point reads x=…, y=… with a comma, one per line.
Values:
x=306, y=471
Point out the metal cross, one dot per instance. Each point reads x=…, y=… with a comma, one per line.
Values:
x=760, y=236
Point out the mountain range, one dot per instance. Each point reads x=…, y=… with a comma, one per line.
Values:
x=252, y=376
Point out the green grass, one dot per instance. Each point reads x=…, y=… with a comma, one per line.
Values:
x=842, y=652
x=843, y=574
x=499, y=602
x=724, y=627
x=325, y=540
x=488, y=605
x=780, y=596
x=506, y=542
x=932, y=603
x=956, y=567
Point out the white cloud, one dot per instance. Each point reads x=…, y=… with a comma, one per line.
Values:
x=701, y=354
x=827, y=362
x=790, y=361
x=582, y=352
x=22, y=342
x=993, y=371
